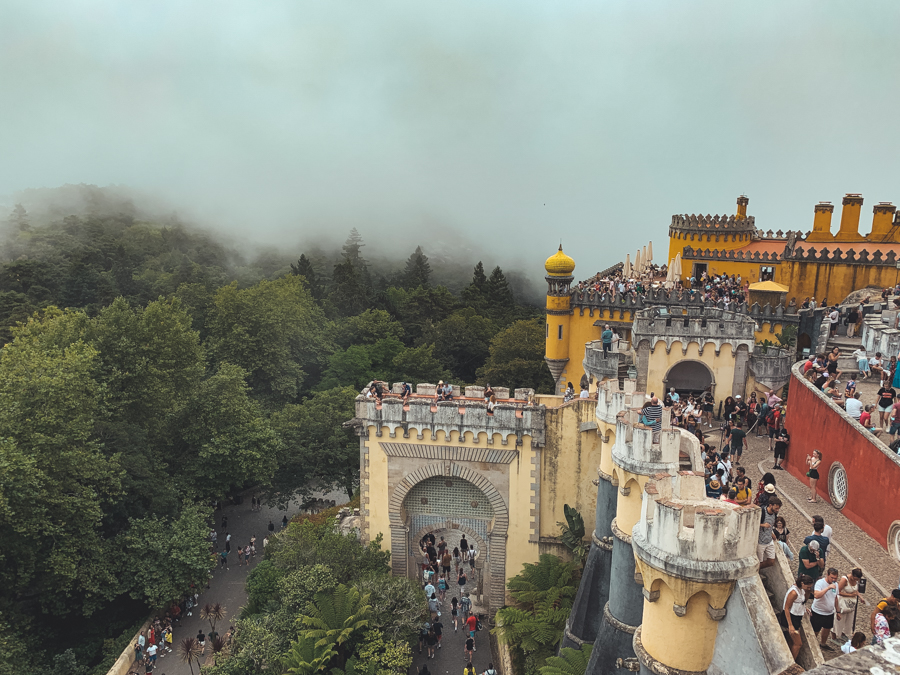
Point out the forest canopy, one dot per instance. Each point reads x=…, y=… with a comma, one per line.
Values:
x=149, y=370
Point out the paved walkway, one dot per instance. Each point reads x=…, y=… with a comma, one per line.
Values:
x=450, y=657
x=852, y=547
x=227, y=586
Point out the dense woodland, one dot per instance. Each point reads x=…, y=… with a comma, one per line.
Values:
x=149, y=370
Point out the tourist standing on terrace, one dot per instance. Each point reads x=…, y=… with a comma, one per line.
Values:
x=813, y=461
x=606, y=337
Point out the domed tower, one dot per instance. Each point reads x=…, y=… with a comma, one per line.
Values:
x=559, y=278
x=719, y=233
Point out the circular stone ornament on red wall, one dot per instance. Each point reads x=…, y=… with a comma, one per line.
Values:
x=838, y=485
x=893, y=540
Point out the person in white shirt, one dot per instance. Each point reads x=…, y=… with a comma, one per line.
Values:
x=854, y=406
x=585, y=394
x=674, y=395
x=824, y=607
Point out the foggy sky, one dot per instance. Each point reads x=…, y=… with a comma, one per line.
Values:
x=505, y=125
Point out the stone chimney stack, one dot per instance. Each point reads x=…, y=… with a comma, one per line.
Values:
x=742, y=202
x=882, y=223
x=822, y=223
x=852, y=209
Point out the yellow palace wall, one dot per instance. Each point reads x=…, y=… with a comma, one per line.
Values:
x=569, y=461
x=713, y=242
x=578, y=329
x=722, y=365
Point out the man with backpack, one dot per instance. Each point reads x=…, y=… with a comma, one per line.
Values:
x=773, y=421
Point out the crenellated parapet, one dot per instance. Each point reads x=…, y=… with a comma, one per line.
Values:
x=640, y=451
x=611, y=400
x=690, y=553
x=839, y=256
x=512, y=422
x=734, y=255
x=708, y=222
x=684, y=533
x=704, y=326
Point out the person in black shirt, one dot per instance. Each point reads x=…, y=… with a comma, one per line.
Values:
x=782, y=440
x=885, y=401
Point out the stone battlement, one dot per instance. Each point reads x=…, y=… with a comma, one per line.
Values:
x=707, y=539
x=839, y=256
x=701, y=325
x=639, y=450
x=708, y=222
x=611, y=400
x=734, y=254
x=509, y=420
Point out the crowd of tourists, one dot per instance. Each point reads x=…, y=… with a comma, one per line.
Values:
x=730, y=290
x=881, y=416
x=440, y=564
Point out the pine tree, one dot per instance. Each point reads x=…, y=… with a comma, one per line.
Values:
x=349, y=295
x=418, y=271
x=19, y=218
x=304, y=268
x=500, y=297
x=475, y=295
x=352, y=252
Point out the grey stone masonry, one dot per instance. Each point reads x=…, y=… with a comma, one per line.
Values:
x=510, y=420
x=599, y=366
x=704, y=326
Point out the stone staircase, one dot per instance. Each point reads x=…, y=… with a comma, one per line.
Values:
x=847, y=346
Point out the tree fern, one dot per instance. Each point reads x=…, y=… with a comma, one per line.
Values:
x=307, y=657
x=569, y=662
x=543, y=594
x=335, y=618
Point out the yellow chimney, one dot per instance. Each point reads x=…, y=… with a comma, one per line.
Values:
x=742, y=202
x=882, y=223
x=852, y=208
x=822, y=223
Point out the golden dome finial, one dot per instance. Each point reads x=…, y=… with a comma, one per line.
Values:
x=559, y=264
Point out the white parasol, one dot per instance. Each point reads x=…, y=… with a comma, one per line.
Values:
x=638, y=263
x=649, y=251
x=678, y=272
x=626, y=271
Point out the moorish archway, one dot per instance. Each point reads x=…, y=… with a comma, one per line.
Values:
x=491, y=520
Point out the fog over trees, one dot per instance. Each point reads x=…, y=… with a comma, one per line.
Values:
x=149, y=369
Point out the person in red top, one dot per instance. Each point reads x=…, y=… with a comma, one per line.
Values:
x=471, y=624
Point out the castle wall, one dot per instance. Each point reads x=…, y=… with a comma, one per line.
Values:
x=836, y=281
x=864, y=469
x=660, y=361
x=569, y=463
x=526, y=474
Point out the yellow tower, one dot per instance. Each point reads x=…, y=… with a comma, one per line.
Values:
x=822, y=223
x=690, y=551
x=559, y=278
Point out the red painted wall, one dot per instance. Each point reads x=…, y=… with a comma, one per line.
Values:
x=873, y=470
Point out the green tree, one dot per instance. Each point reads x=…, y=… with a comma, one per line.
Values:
x=543, y=595
x=305, y=268
x=55, y=477
x=274, y=331
x=419, y=309
x=221, y=439
x=358, y=365
x=517, y=358
x=367, y=328
x=386, y=654
x=337, y=619
x=398, y=606
x=475, y=295
x=500, y=297
x=418, y=364
x=418, y=271
x=167, y=556
x=307, y=656
x=572, y=533
x=462, y=342
x=569, y=662
x=315, y=447
x=349, y=292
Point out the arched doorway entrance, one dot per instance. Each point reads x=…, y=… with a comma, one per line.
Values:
x=690, y=377
x=451, y=507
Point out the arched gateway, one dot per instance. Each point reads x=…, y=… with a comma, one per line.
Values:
x=452, y=500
